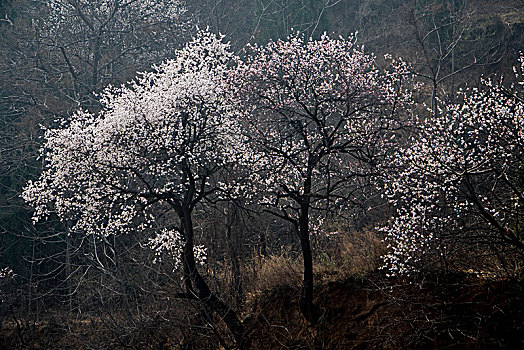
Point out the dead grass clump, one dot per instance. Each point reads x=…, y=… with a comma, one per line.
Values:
x=265, y=273
x=361, y=253
x=353, y=254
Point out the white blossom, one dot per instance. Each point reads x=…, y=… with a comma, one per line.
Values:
x=458, y=179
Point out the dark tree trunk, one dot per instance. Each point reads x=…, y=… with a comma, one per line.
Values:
x=262, y=249
x=96, y=60
x=231, y=221
x=68, y=269
x=307, y=308
x=197, y=286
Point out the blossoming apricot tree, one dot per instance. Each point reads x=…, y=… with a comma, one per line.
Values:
x=155, y=151
x=460, y=180
x=319, y=116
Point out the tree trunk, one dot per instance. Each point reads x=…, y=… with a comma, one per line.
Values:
x=96, y=59
x=68, y=270
x=307, y=308
x=262, y=248
x=231, y=220
x=201, y=290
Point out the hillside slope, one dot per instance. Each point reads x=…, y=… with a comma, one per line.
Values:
x=400, y=313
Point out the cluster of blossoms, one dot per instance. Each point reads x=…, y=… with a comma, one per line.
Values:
x=459, y=180
x=170, y=242
x=320, y=116
x=6, y=273
x=308, y=119
x=306, y=123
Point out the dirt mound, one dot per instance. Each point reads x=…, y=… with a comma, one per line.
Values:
x=458, y=312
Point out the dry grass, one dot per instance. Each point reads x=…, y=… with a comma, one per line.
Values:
x=361, y=253
x=265, y=273
x=337, y=257
x=355, y=254
x=487, y=262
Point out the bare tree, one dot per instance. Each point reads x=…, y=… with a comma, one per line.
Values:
x=276, y=19
x=444, y=41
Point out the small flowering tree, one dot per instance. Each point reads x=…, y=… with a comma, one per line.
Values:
x=319, y=116
x=460, y=180
x=155, y=152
